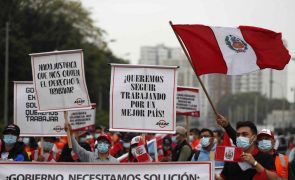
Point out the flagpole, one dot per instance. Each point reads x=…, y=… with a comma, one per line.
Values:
x=190, y=60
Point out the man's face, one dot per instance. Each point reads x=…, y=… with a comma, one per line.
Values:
x=115, y=137
x=103, y=146
x=244, y=132
x=206, y=134
x=10, y=139
x=266, y=137
x=195, y=136
x=217, y=137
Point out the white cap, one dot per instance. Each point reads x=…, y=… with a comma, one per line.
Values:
x=135, y=140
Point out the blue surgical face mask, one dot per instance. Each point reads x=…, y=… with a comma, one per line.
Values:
x=102, y=147
x=126, y=145
x=243, y=142
x=265, y=145
x=96, y=135
x=48, y=146
x=82, y=140
x=9, y=139
x=174, y=139
x=26, y=140
x=205, y=142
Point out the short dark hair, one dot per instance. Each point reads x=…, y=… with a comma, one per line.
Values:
x=219, y=132
x=207, y=130
x=249, y=124
x=195, y=131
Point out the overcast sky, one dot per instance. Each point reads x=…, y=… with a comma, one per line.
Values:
x=135, y=23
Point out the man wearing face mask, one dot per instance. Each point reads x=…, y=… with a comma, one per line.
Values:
x=101, y=152
x=207, y=151
x=182, y=150
x=255, y=164
x=12, y=148
x=266, y=141
x=48, y=154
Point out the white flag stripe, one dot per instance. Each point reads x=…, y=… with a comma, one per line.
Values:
x=236, y=62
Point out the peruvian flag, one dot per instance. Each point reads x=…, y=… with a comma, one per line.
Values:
x=141, y=154
x=232, y=51
x=228, y=153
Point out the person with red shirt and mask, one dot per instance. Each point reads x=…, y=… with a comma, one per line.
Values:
x=255, y=164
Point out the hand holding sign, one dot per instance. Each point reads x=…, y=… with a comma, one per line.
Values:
x=69, y=134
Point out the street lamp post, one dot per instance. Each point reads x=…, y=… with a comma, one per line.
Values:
x=283, y=99
x=293, y=89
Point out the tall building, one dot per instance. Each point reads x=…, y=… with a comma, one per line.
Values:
x=270, y=83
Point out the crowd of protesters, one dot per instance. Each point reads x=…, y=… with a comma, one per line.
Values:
x=259, y=159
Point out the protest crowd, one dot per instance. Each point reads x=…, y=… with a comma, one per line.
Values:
x=101, y=145
x=143, y=137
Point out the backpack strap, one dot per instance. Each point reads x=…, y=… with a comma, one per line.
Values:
x=196, y=155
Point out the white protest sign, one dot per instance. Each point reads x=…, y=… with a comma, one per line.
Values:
x=188, y=101
x=92, y=171
x=45, y=123
x=83, y=120
x=31, y=122
x=142, y=98
x=59, y=81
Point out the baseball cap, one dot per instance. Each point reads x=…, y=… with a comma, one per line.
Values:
x=135, y=140
x=266, y=132
x=180, y=130
x=12, y=129
x=104, y=137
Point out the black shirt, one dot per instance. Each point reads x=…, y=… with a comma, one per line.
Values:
x=232, y=170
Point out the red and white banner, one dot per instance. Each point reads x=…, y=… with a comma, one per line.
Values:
x=26, y=115
x=232, y=51
x=92, y=171
x=188, y=101
x=228, y=153
x=59, y=81
x=142, y=98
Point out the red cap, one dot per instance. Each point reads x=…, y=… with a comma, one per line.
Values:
x=266, y=132
x=104, y=137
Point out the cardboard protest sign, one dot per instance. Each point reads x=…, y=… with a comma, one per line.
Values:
x=26, y=115
x=98, y=171
x=228, y=153
x=31, y=122
x=188, y=101
x=142, y=98
x=59, y=81
x=83, y=120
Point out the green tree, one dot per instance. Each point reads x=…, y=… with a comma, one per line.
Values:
x=41, y=26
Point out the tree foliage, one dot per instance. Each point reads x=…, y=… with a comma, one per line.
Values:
x=41, y=26
x=242, y=106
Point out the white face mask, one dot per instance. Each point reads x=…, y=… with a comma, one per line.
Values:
x=265, y=145
x=243, y=142
x=174, y=139
x=191, y=138
x=205, y=142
